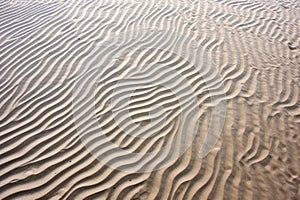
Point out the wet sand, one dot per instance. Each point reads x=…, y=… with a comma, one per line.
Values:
x=149, y=99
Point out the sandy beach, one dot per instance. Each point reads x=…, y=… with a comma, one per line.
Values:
x=153, y=99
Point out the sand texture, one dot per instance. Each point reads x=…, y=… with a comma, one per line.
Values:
x=153, y=99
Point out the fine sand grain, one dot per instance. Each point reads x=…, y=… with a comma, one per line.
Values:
x=132, y=99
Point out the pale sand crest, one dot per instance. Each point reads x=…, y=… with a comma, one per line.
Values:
x=45, y=46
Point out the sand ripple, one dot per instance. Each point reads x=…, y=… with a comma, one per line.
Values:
x=155, y=75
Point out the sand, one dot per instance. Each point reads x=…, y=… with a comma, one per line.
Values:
x=136, y=99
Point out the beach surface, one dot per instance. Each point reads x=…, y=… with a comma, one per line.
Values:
x=132, y=99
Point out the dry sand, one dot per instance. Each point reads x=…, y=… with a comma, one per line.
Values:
x=228, y=70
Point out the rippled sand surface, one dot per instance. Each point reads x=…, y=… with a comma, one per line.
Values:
x=135, y=99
